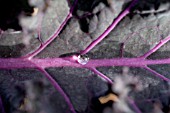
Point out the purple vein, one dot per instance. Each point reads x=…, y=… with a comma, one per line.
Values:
x=102, y=75
x=109, y=29
x=52, y=37
x=1, y=106
x=57, y=86
x=73, y=6
x=39, y=28
x=157, y=74
x=93, y=63
x=131, y=101
x=154, y=49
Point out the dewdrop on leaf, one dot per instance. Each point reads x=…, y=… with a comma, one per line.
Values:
x=82, y=59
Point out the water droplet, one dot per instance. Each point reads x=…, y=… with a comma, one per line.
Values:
x=83, y=59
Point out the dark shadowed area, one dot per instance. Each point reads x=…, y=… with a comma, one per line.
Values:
x=23, y=29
